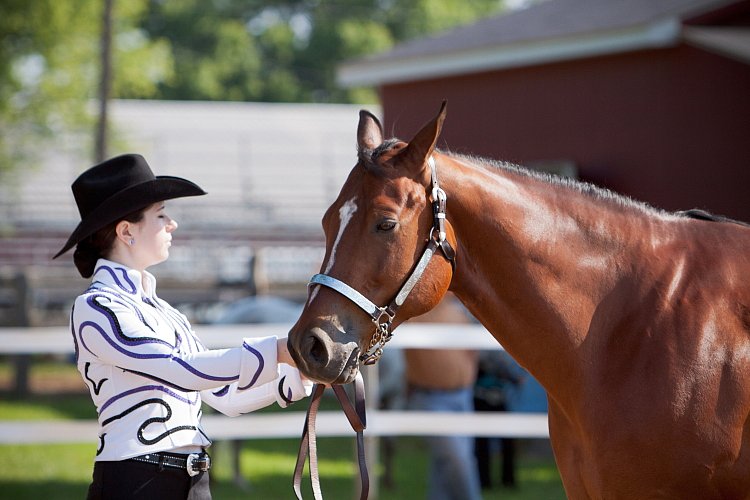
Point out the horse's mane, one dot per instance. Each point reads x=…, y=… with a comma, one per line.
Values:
x=370, y=157
x=593, y=190
x=585, y=188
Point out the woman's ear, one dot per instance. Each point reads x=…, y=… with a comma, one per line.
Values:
x=124, y=232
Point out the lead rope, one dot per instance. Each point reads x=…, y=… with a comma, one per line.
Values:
x=308, y=444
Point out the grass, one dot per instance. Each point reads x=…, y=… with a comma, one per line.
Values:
x=63, y=472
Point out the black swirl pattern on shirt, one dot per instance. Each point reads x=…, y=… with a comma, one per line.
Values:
x=157, y=379
x=97, y=301
x=73, y=333
x=286, y=397
x=200, y=415
x=96, y=386
x=152, y=420
x=123, y=299
x=101, y=445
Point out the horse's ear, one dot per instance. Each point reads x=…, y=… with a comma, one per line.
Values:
x=423, y=143
x=369, y=131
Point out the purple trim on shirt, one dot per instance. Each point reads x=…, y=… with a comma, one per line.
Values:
x=261, y=364
x=173, y=317
x=174, y=314
x=125, y=277
x=115, y=324
x=148, y=388
x=116, y=345
x=124, y=300
x=200, y=374
x=131, y=354
x=80, y=334
x=222, y=392
x=123, y=339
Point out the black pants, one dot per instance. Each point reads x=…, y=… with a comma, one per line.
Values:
x=484, y=457
x=130, y=480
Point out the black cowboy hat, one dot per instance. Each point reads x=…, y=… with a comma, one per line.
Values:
x=117, y=187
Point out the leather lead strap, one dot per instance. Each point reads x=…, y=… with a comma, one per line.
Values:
x=356, y=414
x=308, y=444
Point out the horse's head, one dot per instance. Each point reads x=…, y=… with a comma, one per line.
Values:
x=380, y=235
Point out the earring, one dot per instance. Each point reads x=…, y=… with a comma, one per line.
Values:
x=132, y=241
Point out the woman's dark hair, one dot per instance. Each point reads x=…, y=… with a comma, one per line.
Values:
x=99, y=244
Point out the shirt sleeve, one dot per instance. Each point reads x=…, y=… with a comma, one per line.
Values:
x=114, y=332
x=287, y=388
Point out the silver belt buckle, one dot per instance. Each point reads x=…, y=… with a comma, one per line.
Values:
x=197, y=463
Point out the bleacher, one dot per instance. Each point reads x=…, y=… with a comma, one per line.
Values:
x=268, y=165
x=270, y=170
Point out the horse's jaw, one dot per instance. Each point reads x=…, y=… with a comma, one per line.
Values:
x=322, y=358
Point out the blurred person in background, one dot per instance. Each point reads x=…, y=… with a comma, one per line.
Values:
x=443, y=380
x=147, y=371
x=498, y=379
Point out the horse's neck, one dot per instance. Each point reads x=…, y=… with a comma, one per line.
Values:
x=534, y=260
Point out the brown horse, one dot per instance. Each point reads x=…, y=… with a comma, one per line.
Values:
x=636, y=321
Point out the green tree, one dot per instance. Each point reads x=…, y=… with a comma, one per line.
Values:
x=244, y=50
x=49, y=66
x=257, y=50
x=215, y=56
x=340, y=31
x=410, y=19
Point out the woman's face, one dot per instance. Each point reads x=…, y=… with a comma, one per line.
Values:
x=153, y=236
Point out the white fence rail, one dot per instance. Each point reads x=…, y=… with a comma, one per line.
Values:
x=57, y=340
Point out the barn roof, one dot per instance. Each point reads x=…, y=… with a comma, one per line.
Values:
x=555, y=30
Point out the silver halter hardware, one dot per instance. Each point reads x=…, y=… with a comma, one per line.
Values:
x=383, y=316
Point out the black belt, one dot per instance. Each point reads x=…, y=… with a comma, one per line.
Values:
x=193, y=463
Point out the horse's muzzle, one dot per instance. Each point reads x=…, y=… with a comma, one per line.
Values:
x=323, y=359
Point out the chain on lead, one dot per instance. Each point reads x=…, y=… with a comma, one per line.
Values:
x=379, y=338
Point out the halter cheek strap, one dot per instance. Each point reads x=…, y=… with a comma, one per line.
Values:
x=383, y=316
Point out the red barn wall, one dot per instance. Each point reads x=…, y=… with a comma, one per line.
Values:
x=670, y=127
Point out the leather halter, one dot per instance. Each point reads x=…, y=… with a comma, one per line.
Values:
x=383, y=316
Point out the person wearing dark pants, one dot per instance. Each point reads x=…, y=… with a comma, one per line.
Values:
x=147, y=371
x=491, y=393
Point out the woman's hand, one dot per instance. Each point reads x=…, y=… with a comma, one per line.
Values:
x=283, y=355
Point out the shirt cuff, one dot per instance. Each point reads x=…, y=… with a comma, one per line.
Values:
x=291, y=387
x=259, y=362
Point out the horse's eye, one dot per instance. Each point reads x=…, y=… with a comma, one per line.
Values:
x=386, y=225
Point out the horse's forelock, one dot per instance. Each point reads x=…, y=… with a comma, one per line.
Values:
x=370, y=157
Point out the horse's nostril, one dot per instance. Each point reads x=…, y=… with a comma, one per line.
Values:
x=318, y=350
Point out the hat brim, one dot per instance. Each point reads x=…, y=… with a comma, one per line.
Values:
x=129, y=200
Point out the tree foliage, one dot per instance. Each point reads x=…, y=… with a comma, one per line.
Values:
x=49, y=68
x=242, y=50
x=255, y=50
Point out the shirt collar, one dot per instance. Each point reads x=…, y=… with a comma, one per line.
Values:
x=125, y=279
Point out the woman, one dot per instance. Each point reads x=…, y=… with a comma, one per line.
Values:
x=145, y=368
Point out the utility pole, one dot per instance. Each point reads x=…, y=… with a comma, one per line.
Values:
x=105, y=83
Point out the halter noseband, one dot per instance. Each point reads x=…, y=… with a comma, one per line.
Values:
x=383, y=316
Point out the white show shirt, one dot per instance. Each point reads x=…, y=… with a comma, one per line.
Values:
x=148, y=372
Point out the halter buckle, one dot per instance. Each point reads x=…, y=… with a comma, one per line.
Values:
x=438, y=195
x=383, y=311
